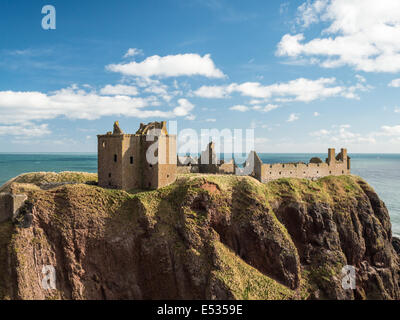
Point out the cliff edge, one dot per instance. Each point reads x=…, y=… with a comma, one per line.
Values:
x=203, y=237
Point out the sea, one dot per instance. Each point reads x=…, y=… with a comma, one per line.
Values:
x=381, y=171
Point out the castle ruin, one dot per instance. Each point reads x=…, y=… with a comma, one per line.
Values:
x=316, y=168
x=125, y=161
x=144, y=160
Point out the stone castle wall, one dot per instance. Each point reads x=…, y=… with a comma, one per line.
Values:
x=332, y=166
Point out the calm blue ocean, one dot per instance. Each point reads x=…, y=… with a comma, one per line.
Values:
x=382, y=171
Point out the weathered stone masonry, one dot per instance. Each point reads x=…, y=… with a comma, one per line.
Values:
x=123, y=164
x=333, y=166
x=122, y=161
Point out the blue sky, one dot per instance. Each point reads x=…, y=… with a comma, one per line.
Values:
x=306, y=75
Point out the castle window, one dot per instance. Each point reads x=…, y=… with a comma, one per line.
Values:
x=280, y=172
x=290, y=172
x=115, y=158
x=167, y=175
x=131, y=160
x=151, y=166
x=283, y=166
x=330, y=172
x=104, y=144
x=342, y=171
x=270, y=173
x=317, y=172
x=109, y=175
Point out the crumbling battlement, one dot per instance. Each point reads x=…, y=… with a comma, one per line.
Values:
x=333, y=166
x=207, y=163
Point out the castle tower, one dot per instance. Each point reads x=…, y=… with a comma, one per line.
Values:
x=208, y=160
x=145, y=160
x=344, y=154
x=345, y=158
x=331, y=156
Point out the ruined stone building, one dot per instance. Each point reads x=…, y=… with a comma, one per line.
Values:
x=207, y=163
x=144, y=160
x=148, y=160
x=316, y=168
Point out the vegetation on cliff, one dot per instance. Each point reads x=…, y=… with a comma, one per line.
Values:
x=205, y=236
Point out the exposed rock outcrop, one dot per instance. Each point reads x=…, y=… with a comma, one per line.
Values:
x=204, y=237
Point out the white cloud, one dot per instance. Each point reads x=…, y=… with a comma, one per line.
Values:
x=119, y=89
x=214, y=91
x=396, y=109
x=341, y=135
x=132, y=52
x=189, y=64
x=184, y=107
x=363, y=34
x=26, y=129
x=211, y=120
x=270, y=107
x=190, y=117
x=361, y=78
x=301, y=89
x=395, y=83
x=316, y=114
x=293, y=117
x=75, y=103
x=240, y=108
x=319, y=133
x=391, y=130
x=308, y=12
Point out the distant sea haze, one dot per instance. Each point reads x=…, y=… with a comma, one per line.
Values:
x=381, y=171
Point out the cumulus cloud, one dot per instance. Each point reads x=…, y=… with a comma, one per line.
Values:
x=343, y=135
x=319, y=133
x=240, y=108
x=189, y=64
x=26, y=129
x=119, y=89
x=301, y=89
x=363, y=34
x=75, y=103
x=293, y=117
x=269, y=107
x=391, y=130
x=132, y=52
x=214, y=91
x=395, y=83
x=184, y=107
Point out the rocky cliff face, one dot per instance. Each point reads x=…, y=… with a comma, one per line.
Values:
x=204, y=237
